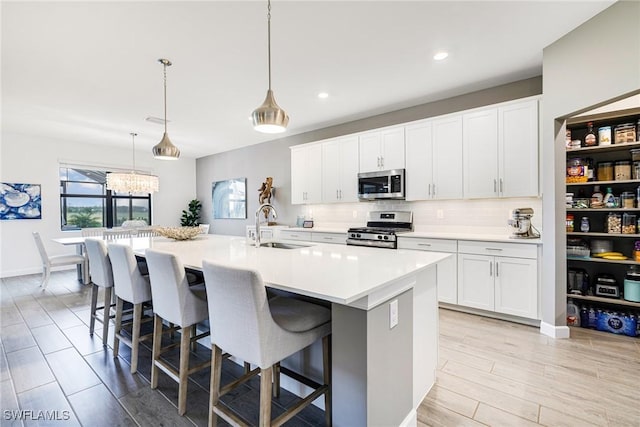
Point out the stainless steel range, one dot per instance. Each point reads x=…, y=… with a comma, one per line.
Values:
x=381, y=229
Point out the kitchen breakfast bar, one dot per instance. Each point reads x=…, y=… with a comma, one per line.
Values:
x=384, y=314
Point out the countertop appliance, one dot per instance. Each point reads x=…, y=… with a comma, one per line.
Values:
x=520, y=223
x=606, y=286
x=381, y=229
x=381, y=185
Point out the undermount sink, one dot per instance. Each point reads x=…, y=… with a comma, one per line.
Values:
x=280, y=245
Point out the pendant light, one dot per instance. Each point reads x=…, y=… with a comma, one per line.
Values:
x=122, y=182
x=269, y=117
x=165, y=150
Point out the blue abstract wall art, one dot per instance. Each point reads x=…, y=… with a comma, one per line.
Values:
x=20, y=201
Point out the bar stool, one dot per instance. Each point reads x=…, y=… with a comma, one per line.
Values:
x=182, y=305
x=262, y=332
x=131, y=286
x=101, y=277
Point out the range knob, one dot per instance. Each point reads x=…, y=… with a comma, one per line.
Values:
x=352, y=235
x=358, y=235
x=379, y=237
x=386, y=237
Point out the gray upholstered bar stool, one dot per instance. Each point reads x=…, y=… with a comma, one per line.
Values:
x=262, y=332
x=101, y=277
x=179, y=304
x=131, y=286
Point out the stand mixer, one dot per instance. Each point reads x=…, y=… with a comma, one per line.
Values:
x=520, y=223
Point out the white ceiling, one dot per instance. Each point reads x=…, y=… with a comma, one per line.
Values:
x=88, y=71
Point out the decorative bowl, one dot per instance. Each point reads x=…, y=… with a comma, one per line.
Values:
x=178, y=233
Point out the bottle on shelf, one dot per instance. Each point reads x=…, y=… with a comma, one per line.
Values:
x=584, y=224
x=590, y=139
x=609, y=199
x=597, y=199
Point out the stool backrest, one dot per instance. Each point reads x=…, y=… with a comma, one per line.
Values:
x=41, y=249
x=240, y=319
x=128, y=282
x=172, y=298
x=117, y=234
x=99, y=262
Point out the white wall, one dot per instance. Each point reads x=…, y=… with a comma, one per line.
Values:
x=25, y=159
x=592, y=65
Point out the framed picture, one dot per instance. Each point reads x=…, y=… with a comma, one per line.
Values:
x=20, y=201
x=229, y=199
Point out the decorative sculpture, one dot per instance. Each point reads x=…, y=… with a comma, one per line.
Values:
x=265, y=194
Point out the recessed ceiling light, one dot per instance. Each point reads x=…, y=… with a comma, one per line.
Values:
x=440, y=56
x=323, y=95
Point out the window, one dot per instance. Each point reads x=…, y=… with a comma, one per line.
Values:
x=85, y=201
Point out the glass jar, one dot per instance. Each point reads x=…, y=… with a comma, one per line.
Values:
x=622, y=170
x=628, y=199
x=614, y=223
x=635, y=170
x=577, y=170
x=605, y=171
x=628, y=224
x=570, y=220
x=604, y=135
x=584, y=224
x=635, y=154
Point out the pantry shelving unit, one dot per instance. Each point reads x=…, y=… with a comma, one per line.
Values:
x=623, y=243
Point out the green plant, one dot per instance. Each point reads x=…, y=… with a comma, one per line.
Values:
x=191, y=218
x=84, y=218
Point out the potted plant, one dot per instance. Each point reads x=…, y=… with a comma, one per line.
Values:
x=191, y=218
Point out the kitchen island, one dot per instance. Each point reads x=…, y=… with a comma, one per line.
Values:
x=384, y=315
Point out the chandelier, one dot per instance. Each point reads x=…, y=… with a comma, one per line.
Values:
x=133, y=182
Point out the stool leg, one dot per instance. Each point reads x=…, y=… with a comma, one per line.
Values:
x=157, y=341
x=326, y=371
x=247, y=367
x=194, y=332
x=214, y=389
x=276, y=379
x=266, y=376
x=185, y=341
x=94, y=304
x=106, y=313
x=118, y=328
x=135, y=336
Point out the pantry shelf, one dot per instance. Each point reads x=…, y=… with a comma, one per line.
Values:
x=606, y=148
x=605, y=300
x=603, y=210
x=587, y=183
x=594, y=234
x=606, y=261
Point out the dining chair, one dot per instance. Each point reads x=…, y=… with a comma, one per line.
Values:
x=117, y=234
x=134, y=223
x=93, y=231
x=48, y=262
x=130, y=286
x=179, y=304
x=147, y=232
x=262, y=332
x=101, y=277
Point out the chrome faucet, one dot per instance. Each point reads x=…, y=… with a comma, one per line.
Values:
x=263, y=207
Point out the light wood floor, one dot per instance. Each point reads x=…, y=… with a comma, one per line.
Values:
x=490, y=372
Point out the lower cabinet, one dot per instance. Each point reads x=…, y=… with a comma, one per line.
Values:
x=501, y=283
x=313, y=236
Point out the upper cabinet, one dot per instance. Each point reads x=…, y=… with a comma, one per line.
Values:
x=382, y=149
x=340, y=170
x=501, y=151
x=434, y=159
x=306, y=174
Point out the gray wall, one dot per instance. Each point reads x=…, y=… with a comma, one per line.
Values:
x=596, y=63
x=273, y=158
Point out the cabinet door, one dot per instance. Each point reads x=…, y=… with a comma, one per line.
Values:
x=516, y=288
x=475, y=281
x=418, y=173
x=348, y=175
x=518, y=149
x=480, y=162
x=447, y=273
x=392, y=148
x=314, y=174
x=298, y=175
x=330, y=172
x=447, y=158
x=370, y=152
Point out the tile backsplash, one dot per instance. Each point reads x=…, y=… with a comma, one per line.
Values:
x=481, y=216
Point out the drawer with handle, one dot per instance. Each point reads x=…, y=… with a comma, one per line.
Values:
x=320, y=237
x=516, y=250
x=423, y=244
x=295, y=235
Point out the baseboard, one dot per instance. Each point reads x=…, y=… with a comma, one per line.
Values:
x=32, y=270
x=411, y=420
x=554, y=331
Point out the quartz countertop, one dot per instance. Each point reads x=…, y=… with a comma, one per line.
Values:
x=338, y=273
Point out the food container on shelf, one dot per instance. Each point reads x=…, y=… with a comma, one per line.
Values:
x=570, y=223
x=613, y=223
x=622, y=170
x=625, y=133
x=635, y=170
x=605, y=171
x=604, y=135
x=577, y=170
x=632, y=284
x=581, y=203
x=600, y=246
x=635, y=154
x=628, y=199
x=628, y=224
x=578, y=248
x=574, y=143
x=569, y=200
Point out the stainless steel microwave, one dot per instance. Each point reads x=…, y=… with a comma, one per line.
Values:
x=381, y=185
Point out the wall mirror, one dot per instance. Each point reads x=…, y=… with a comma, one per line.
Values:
x=230, y=199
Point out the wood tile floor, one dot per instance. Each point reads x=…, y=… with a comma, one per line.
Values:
x=490, y=372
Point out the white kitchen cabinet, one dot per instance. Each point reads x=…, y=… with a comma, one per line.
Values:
x=295, y=235
x=382, y=150
x=500, y=277
x=340, y=170
x=434, y=159
x=306, y=174
x=446, y=272
x=322, y=237
x=501, y=151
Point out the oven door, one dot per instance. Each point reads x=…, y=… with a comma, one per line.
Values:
x=381, y=185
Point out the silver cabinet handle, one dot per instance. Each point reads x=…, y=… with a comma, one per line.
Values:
x=494, y=249
x=381, y=161
x=378, y=160
x=424, y=244
x=434, y=190
x=340, y=194
x=495, y=186
x=501, y=186
x=429, y=193
x=490, y=269
x=328, y=238
x=337, y=196
x=497, y=273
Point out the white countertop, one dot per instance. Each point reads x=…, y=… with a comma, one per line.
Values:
x=469, y=236
x=337, y=273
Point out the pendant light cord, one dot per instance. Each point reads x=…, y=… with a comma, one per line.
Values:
x=133, y=142
x=165, y=96
x=269, y=38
